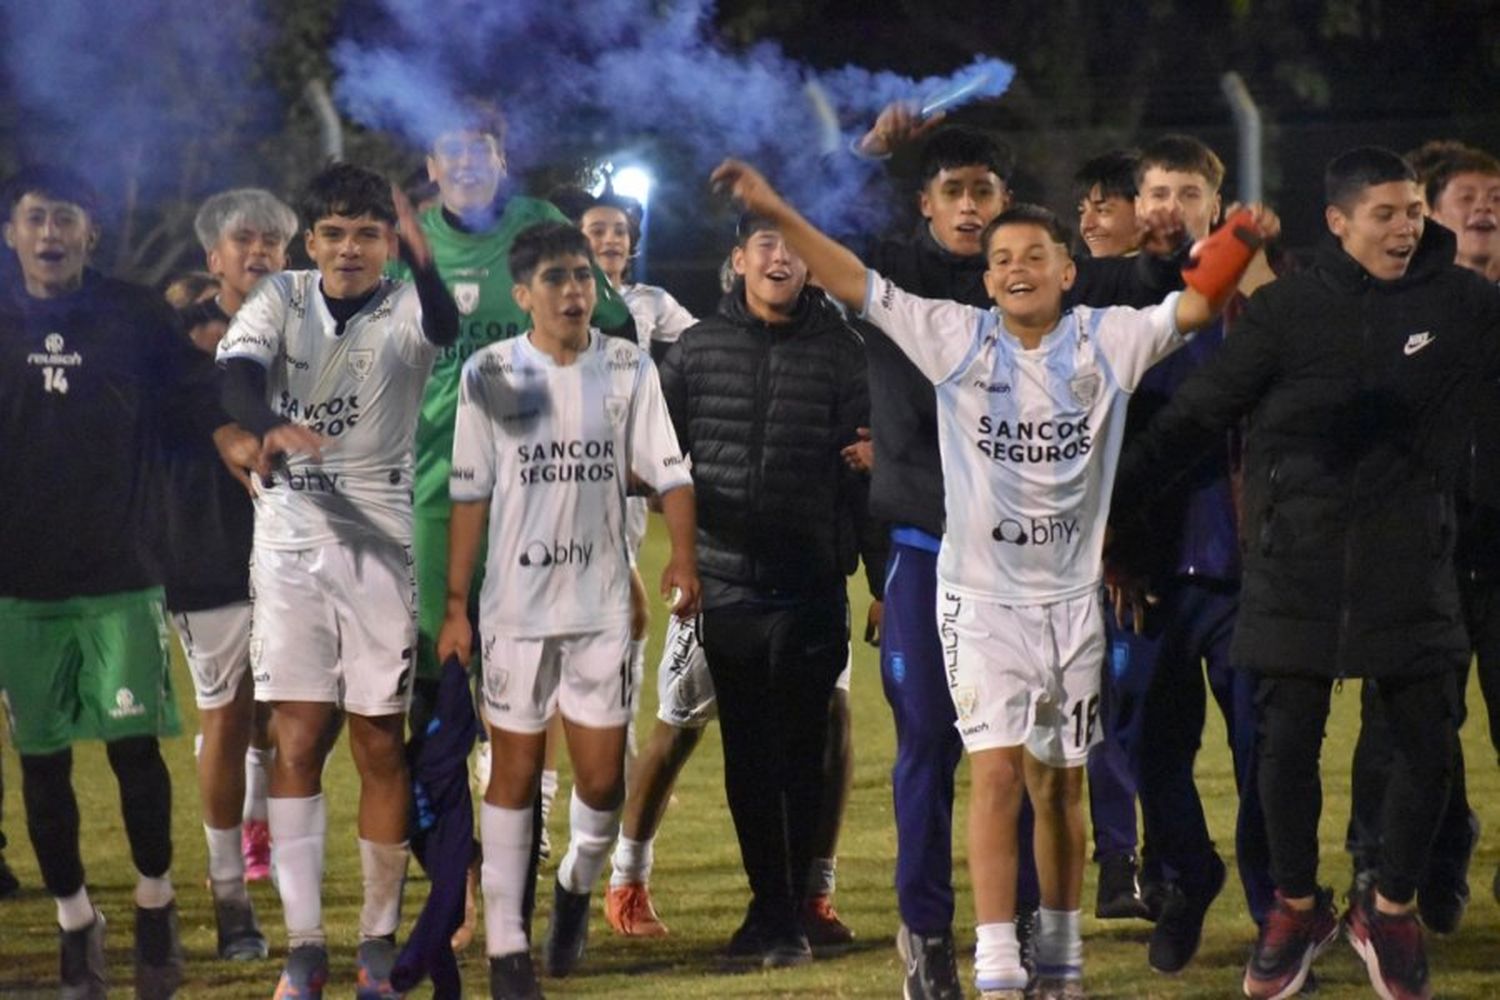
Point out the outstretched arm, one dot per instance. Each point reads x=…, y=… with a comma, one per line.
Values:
x=839, y=271
x=1218, y=262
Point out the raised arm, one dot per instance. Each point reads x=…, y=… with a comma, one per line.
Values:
x=839, y=271
x=1217, y=263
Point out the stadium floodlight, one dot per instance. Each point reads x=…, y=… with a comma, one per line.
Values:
x=633, y=182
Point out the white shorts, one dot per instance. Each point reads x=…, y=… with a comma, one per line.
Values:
x=335, y=623
x=586, y=676
x=1025, y=675
x=684, y=689
x=216, y=643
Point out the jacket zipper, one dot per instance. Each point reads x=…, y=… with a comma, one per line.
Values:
x=758, y=430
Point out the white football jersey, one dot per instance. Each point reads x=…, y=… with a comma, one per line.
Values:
x=659, y=318
x=1029, y=438
x=549, y=447
x=361, y=390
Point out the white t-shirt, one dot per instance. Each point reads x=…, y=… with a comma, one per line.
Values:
x=661, y=319
x=549, y=447
x=1029, y=438
x=361, y=390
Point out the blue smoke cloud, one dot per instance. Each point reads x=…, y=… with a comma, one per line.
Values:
x=621, y=72
x=153, y=94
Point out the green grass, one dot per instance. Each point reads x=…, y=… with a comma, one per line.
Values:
x=700, y=889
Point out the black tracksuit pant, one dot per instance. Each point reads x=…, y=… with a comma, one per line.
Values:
x=774, y=668
x=1422, y=716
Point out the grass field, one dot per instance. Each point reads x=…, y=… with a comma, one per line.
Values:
x=700, y=888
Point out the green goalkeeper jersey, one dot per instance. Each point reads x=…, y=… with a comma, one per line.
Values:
x=477, y=270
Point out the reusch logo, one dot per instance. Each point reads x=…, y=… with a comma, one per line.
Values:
x=540, y=554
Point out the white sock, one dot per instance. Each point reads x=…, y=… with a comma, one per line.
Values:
x=590, y=834
x=197, y=745
x=506, y=836
x=226, y=865
x=1059, y=944
x=384, y=870
x=631, y=861
x=257, y=783
x=549, y=792
x=298, y=828
x=637, y=677
x=75, y=912
x=997, y=958
x=821, y=877
x=153, y=893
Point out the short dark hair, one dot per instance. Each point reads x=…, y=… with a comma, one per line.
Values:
x=1113, y=173
x=629, y=207
x=1181, y=152
x=748, y=224
x=1348, y=174
x=55, y=182
x=350, y=191
x=958, y=146
x=1029, y=215
x=1464, y=160
x=542, y=242
x=470, y=115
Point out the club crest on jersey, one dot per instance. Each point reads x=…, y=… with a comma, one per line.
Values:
x=361, y=363
x=1085, y=388
x=615, y=407
x=965, y=700
x=466, y=296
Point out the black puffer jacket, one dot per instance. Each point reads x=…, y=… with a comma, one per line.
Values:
x=764, y=411
x=1359, y=393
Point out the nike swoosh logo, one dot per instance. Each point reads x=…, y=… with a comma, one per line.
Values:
x=1416, y=342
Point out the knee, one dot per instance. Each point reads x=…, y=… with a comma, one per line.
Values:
x=133, y=753
x=998, y=783
x=1057, y=790
x=602, y=793
x=299, y=751
x=379, y=755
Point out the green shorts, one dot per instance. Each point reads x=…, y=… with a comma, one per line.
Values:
x=86, y=668
x=429, y=546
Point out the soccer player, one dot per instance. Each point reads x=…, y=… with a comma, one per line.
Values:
x=963, y=186
x=93, y=371
x=1461, y=186
x=328, y=367
x=1188, y=550
x=552, y=427
x=210, y=519
x=1349, y=520
x=1105, y=186
x=1030, y=405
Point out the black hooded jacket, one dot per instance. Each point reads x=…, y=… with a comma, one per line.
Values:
x=1359, y=394
x=764, y=411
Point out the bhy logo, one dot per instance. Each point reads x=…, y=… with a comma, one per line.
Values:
x=542, y=554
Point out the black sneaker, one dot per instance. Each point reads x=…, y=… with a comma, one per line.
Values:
x=1179, y=926
x=569, y=933
x=512, y=977
x=158, y=952
x=749, y=939
x=786, y=950
x=1443, y=895
x=1392, y=949
x=9, y=884
x=1119, y=895
x=373, y=963
x=1289, y=941
x=931, y=968
x=82, y=967
x=240, y=937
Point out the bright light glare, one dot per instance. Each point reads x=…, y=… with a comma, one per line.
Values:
x=633, y=182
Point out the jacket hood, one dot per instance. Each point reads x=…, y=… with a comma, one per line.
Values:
x=1435, y=252
x=813, y=313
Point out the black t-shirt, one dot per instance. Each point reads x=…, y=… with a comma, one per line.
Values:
x=88, y=381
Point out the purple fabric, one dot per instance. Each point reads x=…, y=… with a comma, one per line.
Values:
x=444, y=839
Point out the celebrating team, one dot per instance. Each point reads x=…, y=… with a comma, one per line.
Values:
x=1069, y=481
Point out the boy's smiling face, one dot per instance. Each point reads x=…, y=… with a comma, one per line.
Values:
x=1028, y=273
